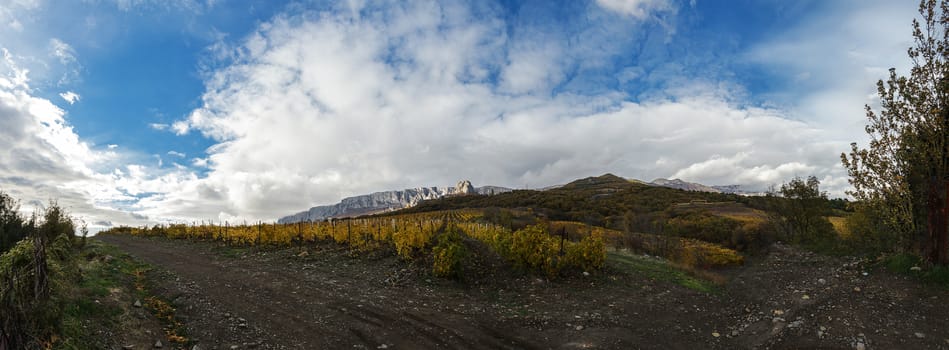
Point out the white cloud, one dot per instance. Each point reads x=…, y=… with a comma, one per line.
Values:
x=640, y=9
x=317, y=107
x=45, y=158
x=66, y=56
x=11, y=11
x=62, y=51
x=834, y=76
x=69, y=96
x=180, y=127
x=159, y=126
x=200, y=162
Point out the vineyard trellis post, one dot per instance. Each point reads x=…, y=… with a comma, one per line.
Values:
x=563, y=238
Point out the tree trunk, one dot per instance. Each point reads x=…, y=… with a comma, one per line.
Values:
x=942, y=225
x=40, y=269
x=938, y=225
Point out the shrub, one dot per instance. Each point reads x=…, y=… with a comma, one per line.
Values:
x=533, y=248
x=34, y=275
x=589, y=254
x=449, y=254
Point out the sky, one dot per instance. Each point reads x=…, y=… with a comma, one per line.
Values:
x=134, y=112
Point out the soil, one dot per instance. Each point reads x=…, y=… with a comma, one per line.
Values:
x=319, y=297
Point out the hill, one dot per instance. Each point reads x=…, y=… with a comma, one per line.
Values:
x=605, y=200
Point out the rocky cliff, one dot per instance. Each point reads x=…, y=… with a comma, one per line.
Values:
x=379, y=202
x=692, y=186
x=683, y=185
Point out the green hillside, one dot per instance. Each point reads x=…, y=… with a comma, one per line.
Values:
x=607, y=200
x=632, y=207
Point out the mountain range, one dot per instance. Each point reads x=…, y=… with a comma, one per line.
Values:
x=692, y=186
x=380, y=202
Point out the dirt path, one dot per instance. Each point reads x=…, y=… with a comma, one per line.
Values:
x=267, y=305
x=318, y=297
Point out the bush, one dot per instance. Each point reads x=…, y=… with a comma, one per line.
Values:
x=694, y=253
x=589, y=254
x=533, y=248
x=870, y=233
x=34, y=276
x=449, y=254
x=904, y=263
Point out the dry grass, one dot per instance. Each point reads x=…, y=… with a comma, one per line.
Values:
x=686, y=252
x=840, y=225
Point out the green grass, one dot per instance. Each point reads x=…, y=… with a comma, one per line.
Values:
x=659, y=270
x=232, y=252
x=99, y=275
x=903, y=264
x=89, y=306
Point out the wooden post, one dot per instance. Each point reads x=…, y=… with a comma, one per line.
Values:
x=563, y=238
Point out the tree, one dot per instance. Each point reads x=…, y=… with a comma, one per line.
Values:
x=803, y=209
x=903, y=173
x=11, y=222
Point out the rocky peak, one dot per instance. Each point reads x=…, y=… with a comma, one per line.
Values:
x=464, y=187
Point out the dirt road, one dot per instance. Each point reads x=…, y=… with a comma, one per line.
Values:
x=320, y=298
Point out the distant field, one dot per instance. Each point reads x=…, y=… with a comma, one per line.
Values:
x=731, y=210
x=840, y=225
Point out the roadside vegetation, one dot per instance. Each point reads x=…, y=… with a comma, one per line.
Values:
x=446, y=240
x=60, y=291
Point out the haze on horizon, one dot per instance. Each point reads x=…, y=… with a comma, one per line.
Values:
x=143, y=111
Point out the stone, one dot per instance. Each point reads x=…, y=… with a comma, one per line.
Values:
x=578, y=327
x=860, y=346
x=716, y=334
x=915, y=268
x=856, y=289
x=158, y=344
x=919, y=335
x=805, y=297
x=821, y=281
x=778, y=312
x=138, y=303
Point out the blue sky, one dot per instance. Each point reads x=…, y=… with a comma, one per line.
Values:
x=144, y=111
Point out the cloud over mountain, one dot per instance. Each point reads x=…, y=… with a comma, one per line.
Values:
x=317, y=106
x=311, y=102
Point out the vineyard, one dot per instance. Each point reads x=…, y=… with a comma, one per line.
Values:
x=443, y=238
